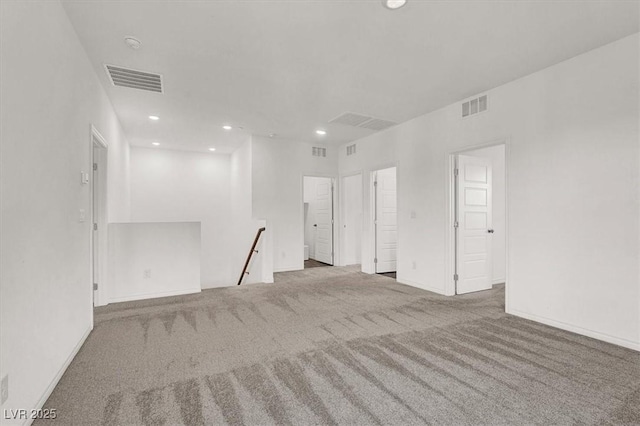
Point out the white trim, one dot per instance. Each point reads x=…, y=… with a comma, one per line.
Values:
x=340, y=198
x=102, y=141
x=421, y=286
x=498, y=281
x=58, y=376
x=289, y=268
x=154, y=295
x=629, y=344
x=372, y=217
x=100, y=295
x=97, y=141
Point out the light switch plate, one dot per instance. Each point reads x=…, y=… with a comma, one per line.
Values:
x=84, y=178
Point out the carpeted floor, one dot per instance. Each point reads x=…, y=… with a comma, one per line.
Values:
x=312, y=263
x=335, y=346
x=388, y=274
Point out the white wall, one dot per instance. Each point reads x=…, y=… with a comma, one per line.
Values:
x=373, y=153
x=277, y=170
x=351, y=219
x=496, y=154
x=243, y=224
x=49, y=97
x=572, y=180
x=180, y=186
x=149, y=260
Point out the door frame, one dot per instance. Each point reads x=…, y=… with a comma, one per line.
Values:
x=372, y=216
x=98, y=149
x=334, y=190
x=450, y=211
x=342, y=215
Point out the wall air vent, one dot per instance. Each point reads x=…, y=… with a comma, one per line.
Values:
x=134, y=79
x=362, y=121
x=318, y=151
x=351, y=149
x=474, y=106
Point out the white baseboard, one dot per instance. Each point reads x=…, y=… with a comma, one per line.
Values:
x=420, y=285
x=58, y=376
x=498, y=281
x=578, y=330
x=154, y=295
x=288, y=269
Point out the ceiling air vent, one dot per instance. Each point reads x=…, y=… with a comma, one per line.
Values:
x=125, y=77
x=474, y=106
x=351, y=149
x=350, y=119
x=362, y=121
x=318, y=152
x=377, y=124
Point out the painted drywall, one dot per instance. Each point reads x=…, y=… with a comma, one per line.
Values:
x=277, y=170
x=244, y=226
x=148, y=260
x=351, y=220
x=373, y=153
x=181, y=186
x=49, y=98
x=572, y=180
x=496, y=154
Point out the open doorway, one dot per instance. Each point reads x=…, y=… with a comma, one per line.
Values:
x=351, y=220
x=479, y=219
x=385, y=221
x=99, y=217
x=318, y=221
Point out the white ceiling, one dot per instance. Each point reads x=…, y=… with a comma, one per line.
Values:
x=289, y=67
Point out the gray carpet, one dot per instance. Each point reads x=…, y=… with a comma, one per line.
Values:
x=335, y=346
x=312, y=263
x=388, y=274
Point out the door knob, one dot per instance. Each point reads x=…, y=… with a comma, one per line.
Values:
x=315, y=224
x=490, y=231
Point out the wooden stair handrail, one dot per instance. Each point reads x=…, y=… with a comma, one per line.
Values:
x=253, y=250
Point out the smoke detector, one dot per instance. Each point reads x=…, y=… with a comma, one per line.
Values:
x=133, y=42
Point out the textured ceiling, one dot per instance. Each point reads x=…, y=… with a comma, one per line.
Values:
x=289, y=67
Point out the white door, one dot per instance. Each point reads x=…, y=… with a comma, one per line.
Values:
x=473, y=243
x=352, y=219
x=386, y=227
x=324, y=221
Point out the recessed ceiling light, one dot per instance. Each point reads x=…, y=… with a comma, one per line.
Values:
x=227, y=127
x=321, y=132
x=155, y=143
x=212, y=149
x=133, y=42
x=394, y=4
x=154, y=117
